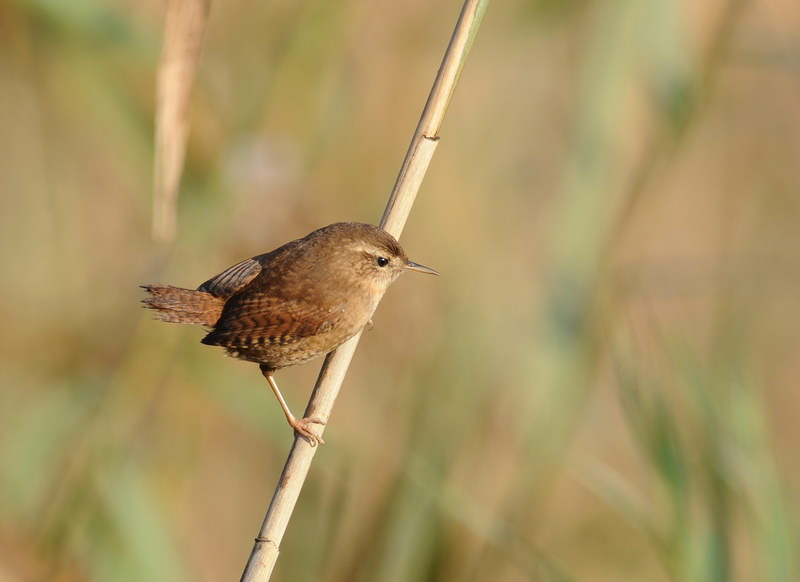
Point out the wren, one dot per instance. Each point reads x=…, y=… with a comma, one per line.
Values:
x=293, y=304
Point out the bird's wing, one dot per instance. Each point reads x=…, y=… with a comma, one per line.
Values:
x=271, y=320
x=232, y=279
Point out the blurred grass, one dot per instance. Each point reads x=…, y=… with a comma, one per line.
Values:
x=602, y=385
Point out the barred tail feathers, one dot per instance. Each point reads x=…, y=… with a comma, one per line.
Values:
x=178, y=305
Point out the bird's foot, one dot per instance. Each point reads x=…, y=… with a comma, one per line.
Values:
x=303, y=428
x=369, y=325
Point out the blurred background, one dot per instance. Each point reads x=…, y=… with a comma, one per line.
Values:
x=603, y=384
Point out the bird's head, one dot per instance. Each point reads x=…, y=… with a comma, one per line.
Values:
x=368, y=253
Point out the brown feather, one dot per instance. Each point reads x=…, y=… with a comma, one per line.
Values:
x=178, y=305
x=232, y=279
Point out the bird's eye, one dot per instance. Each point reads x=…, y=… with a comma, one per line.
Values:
x=382, y=261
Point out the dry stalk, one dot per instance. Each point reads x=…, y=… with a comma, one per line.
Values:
x=184, y=24
x=267, y=546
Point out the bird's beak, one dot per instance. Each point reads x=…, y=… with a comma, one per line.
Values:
x=410, y=266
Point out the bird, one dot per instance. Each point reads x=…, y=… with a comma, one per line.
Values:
x=293, y=304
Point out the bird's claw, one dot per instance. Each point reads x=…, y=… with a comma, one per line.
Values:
x=303, y=428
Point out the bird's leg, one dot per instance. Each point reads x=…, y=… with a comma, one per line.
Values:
x=300, y=426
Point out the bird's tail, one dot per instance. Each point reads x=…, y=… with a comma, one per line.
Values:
x=178, y=305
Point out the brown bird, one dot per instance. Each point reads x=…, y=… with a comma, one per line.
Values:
x=293, y=304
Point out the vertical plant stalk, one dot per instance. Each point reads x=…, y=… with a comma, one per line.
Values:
x=184, y=24
x=426, y=137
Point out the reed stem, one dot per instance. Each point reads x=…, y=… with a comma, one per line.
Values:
x=426, y=137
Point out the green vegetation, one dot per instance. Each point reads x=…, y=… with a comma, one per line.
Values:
x=600, y=387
